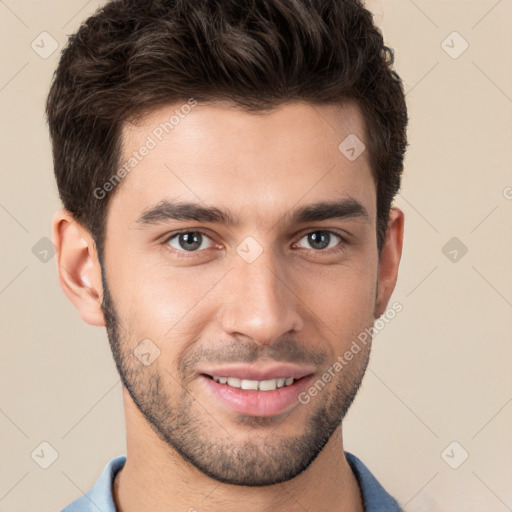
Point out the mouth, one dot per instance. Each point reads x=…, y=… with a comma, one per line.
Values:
x=255, y=397
x=254, y=385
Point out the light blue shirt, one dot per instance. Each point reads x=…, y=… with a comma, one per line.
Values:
x=100, y=499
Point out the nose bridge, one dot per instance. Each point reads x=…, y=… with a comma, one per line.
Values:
x=260, y=304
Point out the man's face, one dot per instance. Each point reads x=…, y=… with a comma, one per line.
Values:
x=267, y=298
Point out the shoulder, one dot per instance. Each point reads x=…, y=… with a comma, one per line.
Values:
x=375, y=497
x=99, y=497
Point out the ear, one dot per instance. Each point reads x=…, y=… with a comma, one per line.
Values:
x=78, y=267
x=389, y=260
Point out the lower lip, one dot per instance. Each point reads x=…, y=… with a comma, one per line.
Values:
x=257, y=403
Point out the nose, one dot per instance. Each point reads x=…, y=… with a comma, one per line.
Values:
x=259, y=301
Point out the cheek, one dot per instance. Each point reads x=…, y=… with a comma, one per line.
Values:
x=345, y=304
x=162, y=303
x=342, y=298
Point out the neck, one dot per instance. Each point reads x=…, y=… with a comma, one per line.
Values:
x=155, y=476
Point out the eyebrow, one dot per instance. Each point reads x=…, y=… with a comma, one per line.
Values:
x=324, y=210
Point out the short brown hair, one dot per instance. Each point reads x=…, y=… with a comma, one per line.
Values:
x=135, y=55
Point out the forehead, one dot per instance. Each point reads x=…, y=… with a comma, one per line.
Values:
x=249, y=163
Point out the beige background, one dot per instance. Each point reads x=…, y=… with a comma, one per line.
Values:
x=440, y=371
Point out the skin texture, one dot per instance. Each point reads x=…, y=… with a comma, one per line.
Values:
x=294, y=302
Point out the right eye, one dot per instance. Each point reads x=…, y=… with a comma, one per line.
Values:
x=188, y=241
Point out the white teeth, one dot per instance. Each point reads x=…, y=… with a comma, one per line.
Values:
x=234, y=382
x=249, y=384
x=267, y=385
x=256, y=385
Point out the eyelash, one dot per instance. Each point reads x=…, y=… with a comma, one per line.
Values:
x=188, y=254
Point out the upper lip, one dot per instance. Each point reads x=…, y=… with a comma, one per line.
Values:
x=258, y=372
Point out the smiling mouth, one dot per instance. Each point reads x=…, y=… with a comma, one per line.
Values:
x=252, y=397
x=254, y=385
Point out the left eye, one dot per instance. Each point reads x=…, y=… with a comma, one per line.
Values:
x=321, y=240
x=189, y=241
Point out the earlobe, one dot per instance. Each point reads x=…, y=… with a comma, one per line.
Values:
x=78, y=267
x=389, y=260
